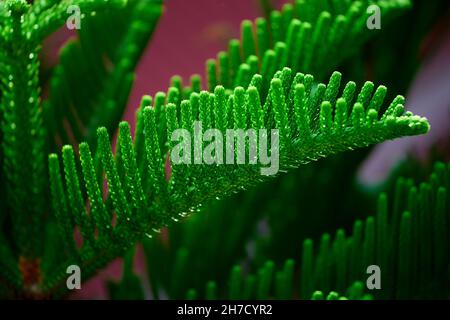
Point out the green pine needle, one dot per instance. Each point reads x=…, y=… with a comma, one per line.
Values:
x=139, y=211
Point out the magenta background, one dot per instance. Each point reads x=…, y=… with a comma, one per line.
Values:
x=192, y=31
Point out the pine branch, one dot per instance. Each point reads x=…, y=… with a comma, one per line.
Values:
x=3, y=18
x=143, y=200
x=22, y=134
x=269, y=283
x=77, y=104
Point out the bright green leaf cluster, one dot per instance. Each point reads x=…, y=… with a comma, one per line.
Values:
x=144, y=197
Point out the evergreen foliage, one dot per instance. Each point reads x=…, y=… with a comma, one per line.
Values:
x=91, y=203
